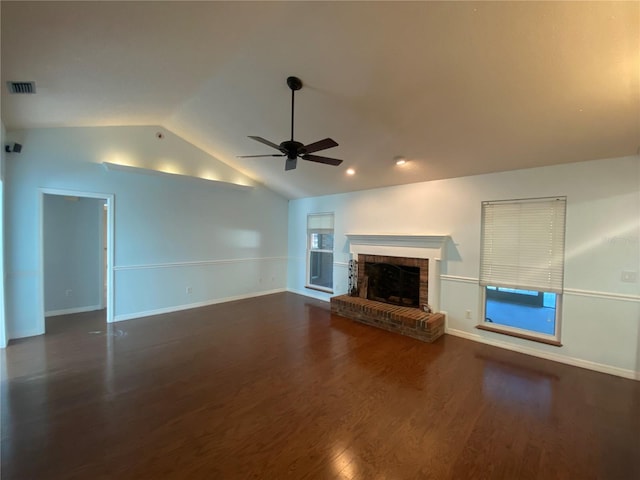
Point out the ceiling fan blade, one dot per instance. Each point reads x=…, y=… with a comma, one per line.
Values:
x=291, y=164
x=320, y=145
x=326, y=160
x=266, y=142
x=267, y=155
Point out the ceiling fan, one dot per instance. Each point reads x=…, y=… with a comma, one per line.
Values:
x=292, y=149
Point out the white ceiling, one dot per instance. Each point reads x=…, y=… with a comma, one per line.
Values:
x=457, y=88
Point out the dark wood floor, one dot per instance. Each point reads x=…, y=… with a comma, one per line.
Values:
x=275, y=387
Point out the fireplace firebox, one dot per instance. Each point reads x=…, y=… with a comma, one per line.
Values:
x=396, y=280
x=391, y=283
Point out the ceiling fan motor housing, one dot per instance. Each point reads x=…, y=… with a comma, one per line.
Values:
x=292, y=148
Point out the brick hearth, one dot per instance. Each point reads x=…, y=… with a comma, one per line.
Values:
x=408, y=321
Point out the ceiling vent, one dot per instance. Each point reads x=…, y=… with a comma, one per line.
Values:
x=21, y=87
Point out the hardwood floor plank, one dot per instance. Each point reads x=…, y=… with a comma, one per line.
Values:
x=276, y=387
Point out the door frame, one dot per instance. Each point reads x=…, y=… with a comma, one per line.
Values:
x=109, y=201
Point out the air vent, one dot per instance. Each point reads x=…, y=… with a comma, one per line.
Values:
x=21, y=87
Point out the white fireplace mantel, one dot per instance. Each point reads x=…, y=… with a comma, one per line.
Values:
x=417, y=246
x=432, y=247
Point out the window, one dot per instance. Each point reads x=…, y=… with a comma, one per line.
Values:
x=522, y=267
x=320, y=251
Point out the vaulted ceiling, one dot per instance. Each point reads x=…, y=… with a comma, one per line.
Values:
x=456, y=88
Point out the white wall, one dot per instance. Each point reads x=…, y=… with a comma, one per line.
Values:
x=170, y=232
x=601, y=314
x=72, y=256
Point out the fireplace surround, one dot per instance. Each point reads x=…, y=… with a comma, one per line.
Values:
x=411, y=265
x=429, y=247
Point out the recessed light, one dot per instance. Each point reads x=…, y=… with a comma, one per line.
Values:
x=350, y=171
x=400, y=160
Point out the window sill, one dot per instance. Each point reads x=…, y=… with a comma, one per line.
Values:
x=319, y=289
x=532, y=338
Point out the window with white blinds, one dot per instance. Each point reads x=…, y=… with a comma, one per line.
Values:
x=522, y=244
x=320, y=221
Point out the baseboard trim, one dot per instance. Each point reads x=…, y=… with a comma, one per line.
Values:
x=148, y=313
x=68, y=311
x=28, y=333
x=576, y=362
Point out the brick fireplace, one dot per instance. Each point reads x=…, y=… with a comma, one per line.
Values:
x=397, y=276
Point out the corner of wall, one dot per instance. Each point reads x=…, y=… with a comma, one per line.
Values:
x=3, y=331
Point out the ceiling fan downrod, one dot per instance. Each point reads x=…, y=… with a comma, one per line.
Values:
x=294, y=84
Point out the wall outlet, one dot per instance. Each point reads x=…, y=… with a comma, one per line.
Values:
x=629, y=277
x=67, y=293
x=467, y=314
x=189, y=290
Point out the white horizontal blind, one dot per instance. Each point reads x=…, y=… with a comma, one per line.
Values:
x=523, y=244
x=320, y=221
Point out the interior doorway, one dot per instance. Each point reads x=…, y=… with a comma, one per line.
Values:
x=82, y=282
